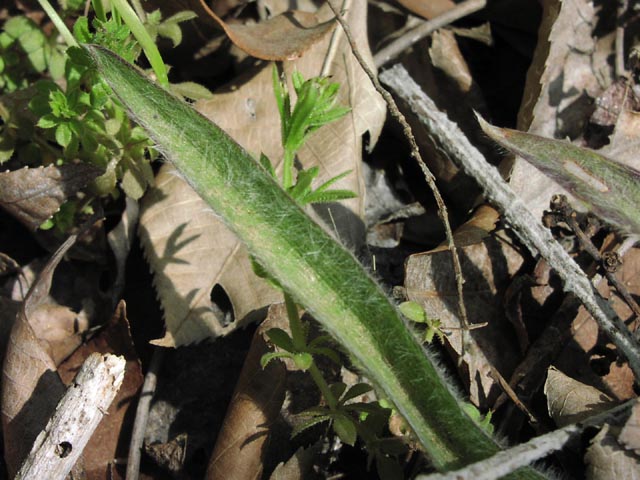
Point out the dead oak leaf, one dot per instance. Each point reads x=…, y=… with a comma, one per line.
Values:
x=284, y=37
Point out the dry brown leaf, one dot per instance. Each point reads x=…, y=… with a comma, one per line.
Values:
x=568, y=71
x=110, y=440
x=33, y=195
x=570, y=401
x=31, y=386
x=191, y=251
x=283, y=37
x=590, y=345
x=487, y=268
x=630, y=433
x=255, y=404
x=429, y=9
x=606, y=459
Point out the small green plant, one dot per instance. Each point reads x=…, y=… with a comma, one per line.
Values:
x=433, y=326
x=314, y=108
x=56, y=108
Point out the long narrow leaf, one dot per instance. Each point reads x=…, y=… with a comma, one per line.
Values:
x=608, y=188
x=317, y=271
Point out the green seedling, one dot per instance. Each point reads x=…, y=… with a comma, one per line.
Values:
x=414, y=312
x=313, y=268
x=56, y=109
x=608, y=188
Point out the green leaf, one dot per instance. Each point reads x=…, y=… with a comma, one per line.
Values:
x=337, y=389
x=413, y=311
x=311, y=422
x=608, y=188
x=330, y=196
x=64, y=134
x=319, y=274
x=280, y=339
x=345, y=428
x=355, y=391
x=267, y=357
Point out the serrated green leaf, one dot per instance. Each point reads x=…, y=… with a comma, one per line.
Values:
x=608, y=188
x=191, y=90
x=48, y=121
x=267, y=357
x=327, y=352
x=312, y=421
x=329, y=196
x=337, y=389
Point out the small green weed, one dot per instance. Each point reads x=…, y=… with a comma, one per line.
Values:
x=56, y=109
x=315, y=107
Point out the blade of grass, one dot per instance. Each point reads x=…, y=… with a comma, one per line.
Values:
x=146, y=42
x=312, y=267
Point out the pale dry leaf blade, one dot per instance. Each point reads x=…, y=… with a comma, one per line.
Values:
x=190, y=252
x=570, y=65
x=606, y=458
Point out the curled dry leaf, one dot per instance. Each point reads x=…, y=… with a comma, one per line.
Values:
x=255, y=404
x=284, y=37
x=189, y=258
x=31, y=386
x=33, y=195
x=570, y=401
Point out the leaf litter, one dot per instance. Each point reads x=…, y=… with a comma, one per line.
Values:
x=569, y=70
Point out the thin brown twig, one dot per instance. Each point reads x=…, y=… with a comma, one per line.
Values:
x=415, y=153
x=425, y=29
x=620, y=69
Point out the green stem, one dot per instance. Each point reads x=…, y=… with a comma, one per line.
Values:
x=98, y=8
x=59, y=23
x=323, y=386
x=146, y=42
x=295, y=323
x=287, y=168
x=319, y=273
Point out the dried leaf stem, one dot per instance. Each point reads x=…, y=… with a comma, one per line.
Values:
x=509, y=460
x=425, y=29
x=77, y=415
x=415, y=153
x=533, y=235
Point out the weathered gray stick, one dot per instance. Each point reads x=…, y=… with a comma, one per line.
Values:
x=60, y=444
